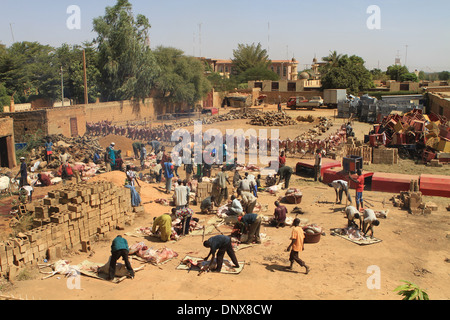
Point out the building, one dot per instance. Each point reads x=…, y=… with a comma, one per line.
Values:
x=439, y=100
x=285, y=69
x=7, y=143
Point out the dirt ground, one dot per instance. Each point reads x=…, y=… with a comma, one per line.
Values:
x=413, y=248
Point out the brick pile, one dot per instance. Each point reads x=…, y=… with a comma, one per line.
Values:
x=68, y=218
x=385, y=156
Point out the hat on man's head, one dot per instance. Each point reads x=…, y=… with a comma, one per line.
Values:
x=22, y=158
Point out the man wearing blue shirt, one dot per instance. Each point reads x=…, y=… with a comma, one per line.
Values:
x=222, y=244
x=119, y=248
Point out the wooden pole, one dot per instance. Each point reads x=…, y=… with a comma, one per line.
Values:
x=85, y=78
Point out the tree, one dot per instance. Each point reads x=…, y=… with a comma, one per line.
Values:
x=182, y=79
x=71, y=58
x=250, y=56
x=377, y=74
x=346, y=73
x=28, y=68
x=410, y=76
x=444, y=75
x=257, y=73
x=395, y=72
x=5, y=99
x=126, y=63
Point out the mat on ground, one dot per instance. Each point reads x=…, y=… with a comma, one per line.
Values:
x=354, y=236
x=100, y=270
x=194, y=263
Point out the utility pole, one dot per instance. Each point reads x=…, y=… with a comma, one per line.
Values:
x=200, y=38
x=406, y=55
x=86, y=101
x=12, y=34
x=62, y=87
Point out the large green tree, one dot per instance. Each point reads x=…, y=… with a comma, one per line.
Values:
x=346, y=72
x=126, y=63
x=29, y=68
x=182, y=79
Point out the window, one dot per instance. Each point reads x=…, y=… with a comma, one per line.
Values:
x=284, y=71
x=258, y=85
x=291, y=86
x=278, y=70
x=275, y=86
x=441, y=111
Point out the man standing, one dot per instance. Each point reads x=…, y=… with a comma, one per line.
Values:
x=168, y=174
x=318, y=165
x=359, y=189
x=48, y=148
x=119, y=248
x=143, y=155
x=297, y=245
x=108, y=160
x=340, y=186
x=180, y=195
x=285, y=174
x=222, y=244
x=221, y=183
x=23, y=173
x=136, y=147
x=279, y=215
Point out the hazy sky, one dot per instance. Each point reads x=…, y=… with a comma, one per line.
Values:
x=287, y=28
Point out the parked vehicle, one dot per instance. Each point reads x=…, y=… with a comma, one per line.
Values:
x=210, y=111
x=332, y=97
x=317, y=99
x=301, y=102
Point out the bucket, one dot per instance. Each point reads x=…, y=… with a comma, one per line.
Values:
x=312, y=237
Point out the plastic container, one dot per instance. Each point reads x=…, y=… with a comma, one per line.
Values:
x=312, y=237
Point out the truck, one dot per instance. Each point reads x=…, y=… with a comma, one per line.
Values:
x=332, y=97
x=301, y=102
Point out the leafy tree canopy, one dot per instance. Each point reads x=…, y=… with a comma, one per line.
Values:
x=127, y=65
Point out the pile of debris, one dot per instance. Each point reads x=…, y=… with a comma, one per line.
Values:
x=323, y=126
x=417, y=135
x=271, y=119
x=412, y=201
x=81, y=149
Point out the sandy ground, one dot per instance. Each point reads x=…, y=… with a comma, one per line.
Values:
x=413, y=248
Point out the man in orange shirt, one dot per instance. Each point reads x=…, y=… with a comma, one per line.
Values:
x=359, y=189
x=296, y=244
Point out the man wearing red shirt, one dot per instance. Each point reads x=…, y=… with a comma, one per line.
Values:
x=359, y=189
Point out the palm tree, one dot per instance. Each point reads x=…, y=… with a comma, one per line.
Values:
x=250, y=56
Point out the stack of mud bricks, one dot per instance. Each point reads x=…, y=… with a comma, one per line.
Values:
x=204, y=190
x=384, y=155
x=69, y=218
x=362, y=151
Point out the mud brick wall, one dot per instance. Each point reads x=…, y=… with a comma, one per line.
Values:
x=385, y=156
x=68, y=218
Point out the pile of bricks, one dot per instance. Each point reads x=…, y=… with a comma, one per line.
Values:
x=204, y=190
x=385, y=156
x=412, y=200
x=362, y=151
x=68, y=218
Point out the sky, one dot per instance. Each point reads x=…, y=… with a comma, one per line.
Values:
x=417, y=32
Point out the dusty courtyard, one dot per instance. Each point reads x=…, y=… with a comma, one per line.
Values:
x=415, y=248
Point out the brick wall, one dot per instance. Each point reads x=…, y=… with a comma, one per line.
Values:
x=59, y=121
x=439, y=105
x=122, y=111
